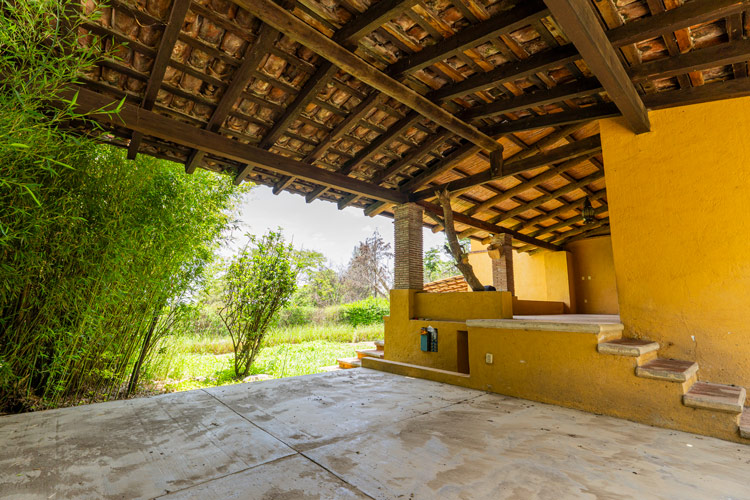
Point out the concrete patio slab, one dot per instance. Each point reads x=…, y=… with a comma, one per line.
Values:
x=355, y=434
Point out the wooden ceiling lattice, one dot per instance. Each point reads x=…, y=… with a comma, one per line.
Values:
x=209, y=84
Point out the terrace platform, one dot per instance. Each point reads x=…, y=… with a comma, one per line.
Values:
x=355, y=434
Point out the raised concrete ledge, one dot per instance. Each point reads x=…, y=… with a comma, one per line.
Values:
x=577, y=323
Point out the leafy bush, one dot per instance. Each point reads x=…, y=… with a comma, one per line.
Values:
x=366, y=312
x=295, y=315
x=259, y=281
x=96, y=251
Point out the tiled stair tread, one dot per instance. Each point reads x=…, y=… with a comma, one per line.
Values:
x=715, y=397
x=379, y=344
x=675, y=370
x=349, y=362
x=628, y=347
x=373, y=353
x=745, y=423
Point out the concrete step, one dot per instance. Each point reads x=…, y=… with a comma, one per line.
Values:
x=372, y=353
x=627, y=347
x=379, y=344
x=719, y=397
x=346, y=363
x=674, y=370
x=745, y=423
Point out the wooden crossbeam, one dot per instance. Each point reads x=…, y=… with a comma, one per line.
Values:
x=564, y=208
x=154, y=124
x=548, y=197
x=595, y=112
x=271, y=13
x=582, y=148
x=526, y=185
x=374, y=17
x=240, y=78
x=689, y=14
x=382, y=140
x=161, y=61
x=491, y=228
x=524, y=14
x=348, y=35
x=509, y=72
x=695, y=60
x=579, y=22
x=559, y=93
x=566, y=237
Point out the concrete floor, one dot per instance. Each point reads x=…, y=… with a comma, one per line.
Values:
x=355, y=434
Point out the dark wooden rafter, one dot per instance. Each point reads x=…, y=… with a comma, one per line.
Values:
x=382, y=140
x=522, y=15
x=159, y=67
x=348, y=36
x=582, y=148
x=374, y=17
x=558, y=93
x=156, y=125
x=566, y=237
x=696, y=60
x=541, y=200
x=491, y=228
x=254, y=54
x=578, y=20
x=283, y=20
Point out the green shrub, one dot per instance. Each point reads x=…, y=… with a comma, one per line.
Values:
x=366, y=312
x=296, y=315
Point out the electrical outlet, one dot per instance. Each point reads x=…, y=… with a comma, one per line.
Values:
x=488, y=358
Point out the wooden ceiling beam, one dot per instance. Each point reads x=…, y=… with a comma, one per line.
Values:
x=161, y=61
x=486, y=226
x=579, y=22
x=508, y=72
x=695, y=60
x=240, y=78
x=595, y=112
x=531, y=204
x=524, y=14
x=582, y=148
x=526, y=185
x=689, y=14
x=559, y=93
x=286, y=22
x=563, y=238
x=362, y=156
x=157, y=125
x=370, y=20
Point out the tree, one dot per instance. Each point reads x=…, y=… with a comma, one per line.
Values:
x=259, y=281
x=435, y=267
x=369, y=271
x=460, y=255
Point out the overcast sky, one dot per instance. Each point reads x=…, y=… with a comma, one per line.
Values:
x=319, y=225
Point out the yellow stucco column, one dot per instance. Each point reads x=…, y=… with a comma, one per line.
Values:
x=679, y=201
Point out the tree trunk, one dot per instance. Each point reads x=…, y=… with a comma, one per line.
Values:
x=144, y=349
x=462, y=260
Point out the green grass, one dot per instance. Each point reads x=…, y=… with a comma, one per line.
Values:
x=188, y=363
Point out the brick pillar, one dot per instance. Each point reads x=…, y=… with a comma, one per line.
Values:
x=502, y=266
x=408, y=272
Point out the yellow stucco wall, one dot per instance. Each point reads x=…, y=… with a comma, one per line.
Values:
x=444, y=311
x=679, y=200
x=543, y=276
x=593, y=276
